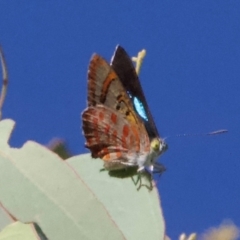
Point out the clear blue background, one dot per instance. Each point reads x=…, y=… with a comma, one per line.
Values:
x=191, y=78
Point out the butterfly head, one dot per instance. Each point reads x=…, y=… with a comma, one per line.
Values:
x=158, y=146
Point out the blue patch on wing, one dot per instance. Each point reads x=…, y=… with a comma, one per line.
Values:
x=140, y=108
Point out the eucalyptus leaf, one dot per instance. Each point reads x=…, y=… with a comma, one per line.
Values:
x=5, y=218
x=38, y=186
x=19, y=231
x=137, y=213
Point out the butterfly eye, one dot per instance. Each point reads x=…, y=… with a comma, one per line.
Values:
x=155, y=144
x=158, y=145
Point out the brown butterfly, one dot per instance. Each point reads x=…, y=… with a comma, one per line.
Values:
x=117, y=122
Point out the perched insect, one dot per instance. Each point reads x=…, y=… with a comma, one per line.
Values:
x=117, y=122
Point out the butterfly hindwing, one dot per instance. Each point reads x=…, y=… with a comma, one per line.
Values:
x=112, y=137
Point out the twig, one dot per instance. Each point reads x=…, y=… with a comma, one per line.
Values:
x=138, y=60
x=5, y=81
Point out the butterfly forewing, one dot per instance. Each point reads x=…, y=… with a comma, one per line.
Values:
x=104, y=87
x=124, y=68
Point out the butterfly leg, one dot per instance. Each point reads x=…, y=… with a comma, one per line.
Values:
x=136, y=181
x=102, y=169
x=140, y=176
x=156, y=168
x=159, y=168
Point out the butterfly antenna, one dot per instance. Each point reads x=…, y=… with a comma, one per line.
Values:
x=221, y=131
x=138, y=60
x=5, y=80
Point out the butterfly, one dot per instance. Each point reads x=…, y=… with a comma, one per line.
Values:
x=117, y=123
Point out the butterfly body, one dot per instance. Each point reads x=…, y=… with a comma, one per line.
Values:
x=117, y=123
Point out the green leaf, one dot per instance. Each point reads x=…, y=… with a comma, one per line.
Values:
x=19, y=231
x=5, y=218
x=37, y=186
x=136, y=213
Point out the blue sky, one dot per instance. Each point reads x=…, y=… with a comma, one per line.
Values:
x=191, y=79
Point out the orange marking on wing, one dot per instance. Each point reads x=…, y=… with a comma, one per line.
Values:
x=114, y=118
x=132, y=140
x=114, y=134
x=134, y=130
x=118, y=155
x=111, y=77
x=101, y=116
x=106, y=157
x=136, y=138
x=125, y=134
x=131, y=116
x=104, y=154
x=125, y=131
x=95, y=121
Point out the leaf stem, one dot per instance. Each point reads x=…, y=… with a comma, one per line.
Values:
x=5, y=80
